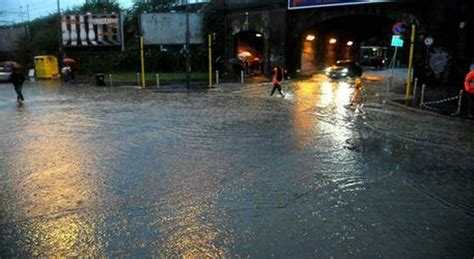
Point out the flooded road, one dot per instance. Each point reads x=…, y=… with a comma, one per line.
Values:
x=230, y=172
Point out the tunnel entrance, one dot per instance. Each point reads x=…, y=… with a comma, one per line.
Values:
x=343, y=38
x=249, y=49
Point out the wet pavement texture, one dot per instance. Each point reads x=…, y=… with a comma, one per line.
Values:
x=231, y=172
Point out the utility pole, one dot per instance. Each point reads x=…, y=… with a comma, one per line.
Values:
x=60, y=40
x=28, y=22
x=188, y=58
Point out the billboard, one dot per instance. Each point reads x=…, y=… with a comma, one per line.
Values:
x=170, y=28
x=299, y=4
x=91, y=30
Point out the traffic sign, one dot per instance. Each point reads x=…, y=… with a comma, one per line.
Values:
x=397, y=41
x=429, y=41
x=398, y=28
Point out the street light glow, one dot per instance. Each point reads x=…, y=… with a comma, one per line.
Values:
x=332, y=41
x=350, y=43
x=259, y=35
x=310, y=37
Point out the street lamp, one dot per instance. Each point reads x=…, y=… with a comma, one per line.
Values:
x=310, y=37
x=350, y=43
x=332, y=41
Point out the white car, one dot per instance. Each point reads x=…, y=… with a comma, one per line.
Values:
x=5, y=73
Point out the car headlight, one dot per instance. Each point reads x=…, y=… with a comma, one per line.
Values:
x=345, y=70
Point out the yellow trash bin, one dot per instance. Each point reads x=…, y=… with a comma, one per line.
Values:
x=46, y=67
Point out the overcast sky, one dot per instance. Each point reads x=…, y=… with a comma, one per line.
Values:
x=11, y=10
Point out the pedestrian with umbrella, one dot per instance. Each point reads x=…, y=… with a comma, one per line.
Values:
x=67, y=70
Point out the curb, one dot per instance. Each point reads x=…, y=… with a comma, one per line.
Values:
x=421, y=111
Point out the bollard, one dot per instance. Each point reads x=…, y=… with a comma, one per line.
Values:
x=110, y=80
x=157, y=76
x=458, y=111
x=217, y=77
x=138, y=79
x=415, y=86
x=242, y=76
x=422, y=99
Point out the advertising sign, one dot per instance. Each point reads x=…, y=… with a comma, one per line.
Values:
x=170, y=28
x=299, y=4
x=91, y=30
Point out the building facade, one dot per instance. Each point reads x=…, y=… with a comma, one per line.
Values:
x=284, y=33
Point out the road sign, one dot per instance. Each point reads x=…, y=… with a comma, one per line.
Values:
x=429, y=41
x=397, y=41
x=398, y=28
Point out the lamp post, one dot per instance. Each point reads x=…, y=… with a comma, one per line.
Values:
x=60, y=40
x=188, y=60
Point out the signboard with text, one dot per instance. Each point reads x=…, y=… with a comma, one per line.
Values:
x=299, y=4
x=91, y=30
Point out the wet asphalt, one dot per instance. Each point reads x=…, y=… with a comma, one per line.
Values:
x=231, y=172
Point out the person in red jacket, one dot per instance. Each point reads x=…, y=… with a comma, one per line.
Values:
x=278, y=74
x=469, y=88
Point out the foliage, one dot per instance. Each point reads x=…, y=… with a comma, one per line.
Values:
x=44, y=40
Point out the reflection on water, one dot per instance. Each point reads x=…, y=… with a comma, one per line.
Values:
x=54, y=189
x=328, y=99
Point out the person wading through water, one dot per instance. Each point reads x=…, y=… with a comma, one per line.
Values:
x=277, y=78
x=17, y=79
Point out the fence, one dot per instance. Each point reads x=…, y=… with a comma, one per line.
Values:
x=430, y=105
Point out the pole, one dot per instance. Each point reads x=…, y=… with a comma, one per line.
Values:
x=60, y=40
x=157, y=81
x=142, y=58
x=138, y=79
x=209, y=38
x=217, y=77
x=410, y=63
x=422, y=99
x=188, y=59
x=458, y=111
x=28, y=20
x=392, y=67
x=121, y=32
x=241, y=76
x=414, y=91
x=110, y=80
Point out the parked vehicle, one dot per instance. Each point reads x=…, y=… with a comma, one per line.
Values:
x=5, y=73
x=344, y=68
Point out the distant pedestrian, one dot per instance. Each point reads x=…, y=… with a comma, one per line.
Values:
x=67, y=74
x=17, y=79
x=469, y=88
x=357, y=96
x=278, y=74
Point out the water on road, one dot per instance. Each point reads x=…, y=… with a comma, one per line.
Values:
x=230, y=172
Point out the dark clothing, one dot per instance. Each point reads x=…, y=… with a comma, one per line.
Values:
x=17, y=80
x=276, y=86
x=470, y=101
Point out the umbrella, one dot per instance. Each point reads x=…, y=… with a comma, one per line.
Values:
x=12, y=64
x=69, y=61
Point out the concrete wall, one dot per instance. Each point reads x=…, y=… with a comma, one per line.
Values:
x=271, y=23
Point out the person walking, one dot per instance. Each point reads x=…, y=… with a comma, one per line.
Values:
x=469, y=88
x=357, y=97
x=277, y=78
x=17, y=79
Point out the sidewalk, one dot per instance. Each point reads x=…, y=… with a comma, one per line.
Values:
x=441, y=100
